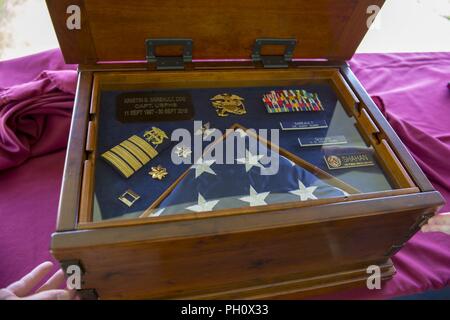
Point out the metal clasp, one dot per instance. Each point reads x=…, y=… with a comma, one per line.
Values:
x=166, y=62
x=274, y=61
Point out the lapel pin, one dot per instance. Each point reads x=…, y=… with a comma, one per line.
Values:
x=158, y=172
x=183, y=152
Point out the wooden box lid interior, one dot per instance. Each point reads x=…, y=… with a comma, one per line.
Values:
x=116, y=30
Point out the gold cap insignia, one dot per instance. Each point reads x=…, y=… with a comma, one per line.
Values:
x=155, y=136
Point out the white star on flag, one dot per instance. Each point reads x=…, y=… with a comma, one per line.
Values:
x=203, y=166
x=157, y=213
x=255, y=198
x=250, y=161
x=203, y=205
x=303, y=192
x=241, y=133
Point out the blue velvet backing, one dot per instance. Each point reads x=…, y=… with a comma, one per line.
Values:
x=109, y=185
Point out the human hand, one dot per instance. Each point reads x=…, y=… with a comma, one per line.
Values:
x=439, y=223
x=21, y=290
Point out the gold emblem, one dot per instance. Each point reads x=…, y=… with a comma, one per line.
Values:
x=334, y=162
x=183, y=152
x=158, y=172
x=353, y=160
x=155, y=136
x=228, y=103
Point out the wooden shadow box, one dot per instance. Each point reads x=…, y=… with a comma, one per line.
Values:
x=280, y=250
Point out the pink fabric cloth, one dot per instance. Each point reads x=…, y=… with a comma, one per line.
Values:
x=416, y=102
x=413, y=88
x=32, y=112
x=29, y=196
x=416, y=99
x=35, y=110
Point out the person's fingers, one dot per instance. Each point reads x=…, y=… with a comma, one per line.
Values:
x=436, y=228
x=55, y=282
x=439, y=220
x=52, y=295
x=5, y=294
x=27, y=283
x=429, y=228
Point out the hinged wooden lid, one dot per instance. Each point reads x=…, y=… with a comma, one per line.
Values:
x=116, y=30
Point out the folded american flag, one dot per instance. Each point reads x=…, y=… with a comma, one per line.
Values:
x=210, y=186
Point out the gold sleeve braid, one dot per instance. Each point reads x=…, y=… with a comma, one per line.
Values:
x=130, y=155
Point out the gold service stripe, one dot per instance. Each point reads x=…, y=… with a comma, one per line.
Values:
x=144, y=145
x=136, y=151
x=128, y=157
x=118, y=163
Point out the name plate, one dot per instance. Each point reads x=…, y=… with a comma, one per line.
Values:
x=303, y=125
x=322, y=141
x=154, y=106
x=344, y=161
